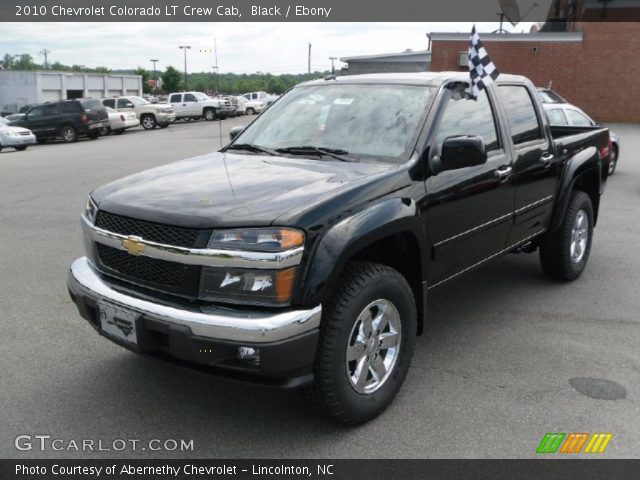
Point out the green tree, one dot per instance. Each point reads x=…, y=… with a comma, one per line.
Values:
x=171, y=80
x=24, y=62
x=7, y=61
x=102, y=70
x=144, y=73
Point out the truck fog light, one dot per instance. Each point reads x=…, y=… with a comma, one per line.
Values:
x=249, y=354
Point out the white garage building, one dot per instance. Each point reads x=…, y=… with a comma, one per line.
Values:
x=21, y=88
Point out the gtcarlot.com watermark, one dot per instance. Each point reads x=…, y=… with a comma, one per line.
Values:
x=45, y=442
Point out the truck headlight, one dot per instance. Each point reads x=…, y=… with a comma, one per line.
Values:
x=271, y=288
x=90, y=210
x=257, y=239
x=263, y=287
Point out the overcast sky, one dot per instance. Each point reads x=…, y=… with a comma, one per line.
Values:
x=242, y=47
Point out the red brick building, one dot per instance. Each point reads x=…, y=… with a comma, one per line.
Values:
x=595, y=66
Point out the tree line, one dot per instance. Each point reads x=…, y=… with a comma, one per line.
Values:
x=173, y=79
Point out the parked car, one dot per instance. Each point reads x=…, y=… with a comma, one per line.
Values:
x=568, y=114
x=66, y=119
x=249, y=107
x=192, y=105
x=15, y=137
x=299, y=256
x=120, y=121
x=151, y=115
x=263, y=97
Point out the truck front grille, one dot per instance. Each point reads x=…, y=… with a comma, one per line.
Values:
x=146, y=269
x=154, y=232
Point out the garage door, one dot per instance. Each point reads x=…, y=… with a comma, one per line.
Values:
x=50, y=95
x=115, y=93
x=133, y=93
x=96, y=93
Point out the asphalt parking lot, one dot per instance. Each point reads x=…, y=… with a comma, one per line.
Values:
x=508, y=355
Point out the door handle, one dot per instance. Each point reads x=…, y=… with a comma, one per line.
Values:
x=503, y=173
x=546, y=159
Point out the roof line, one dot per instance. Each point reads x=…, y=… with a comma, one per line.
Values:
x=511, y=37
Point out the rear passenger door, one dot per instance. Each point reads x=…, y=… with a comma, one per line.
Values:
x=470, y=210
x=535, y=168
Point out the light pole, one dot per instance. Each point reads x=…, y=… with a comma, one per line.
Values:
x=333, y=70
x=155, y=77
x=185, y=48
x=215, y=67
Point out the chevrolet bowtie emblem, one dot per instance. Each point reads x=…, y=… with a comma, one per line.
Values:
x=133, y=245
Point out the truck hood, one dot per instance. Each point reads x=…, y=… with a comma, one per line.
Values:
x=228, y=189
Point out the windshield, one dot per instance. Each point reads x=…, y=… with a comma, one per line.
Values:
x=201, y=96
x=380, y=121
x=138, y=101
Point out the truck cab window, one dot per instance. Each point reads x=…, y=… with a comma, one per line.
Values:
x=521, y=113
x=123, y=102
x=465, y=116
x=188, y=97
x=176, y=98
x=109, y=102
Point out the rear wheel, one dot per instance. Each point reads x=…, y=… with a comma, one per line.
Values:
x=251, y=111
x=68, y=134
x=613, y=160
x=209, y=114
x=564, y=253
x=148, y=122
x=21, y=148
x=93, y=135
x=366, y=343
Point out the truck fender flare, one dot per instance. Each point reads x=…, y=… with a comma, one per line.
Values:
x=350, y=235
x=580, y=164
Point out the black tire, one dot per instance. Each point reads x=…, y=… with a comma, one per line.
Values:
x=148, y=121
x=209, y=114
x=68, y=134
x=613, y=160
x=93, y=135
x=164, y=125
x=556, y=251
x=42, y=140
x=332, y=391
x=21, y=148
x=118, y=131
x=0, y=148
x=251, y=111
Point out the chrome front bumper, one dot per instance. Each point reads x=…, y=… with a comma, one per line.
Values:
x=243, y=325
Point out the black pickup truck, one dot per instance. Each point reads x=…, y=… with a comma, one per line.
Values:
x=302, y=254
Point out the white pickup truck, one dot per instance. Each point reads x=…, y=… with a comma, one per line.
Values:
x=196, y=104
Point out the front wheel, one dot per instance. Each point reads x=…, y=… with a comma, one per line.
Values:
x=613, y=160
x=21, y=148
x=366, y=343
x=251, y=111
x=564, y=253
x=148, y=122
x=209, y=114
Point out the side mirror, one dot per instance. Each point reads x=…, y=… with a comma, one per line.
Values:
x=460, y=151
x=235, y=131
x=129, y=105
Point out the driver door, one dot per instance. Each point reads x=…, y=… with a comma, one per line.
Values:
x=470, y=210
x=190, y=105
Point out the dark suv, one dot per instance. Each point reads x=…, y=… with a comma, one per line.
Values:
x=66, y=119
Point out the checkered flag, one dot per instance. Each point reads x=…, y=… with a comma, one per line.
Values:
x=481, y=68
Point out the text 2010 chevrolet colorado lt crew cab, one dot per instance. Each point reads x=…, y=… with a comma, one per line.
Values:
x=302, y=254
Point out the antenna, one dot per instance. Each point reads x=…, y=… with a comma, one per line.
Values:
x=215, y=57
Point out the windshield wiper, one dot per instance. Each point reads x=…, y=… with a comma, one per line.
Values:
x=252, y=147
x=306, y=149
